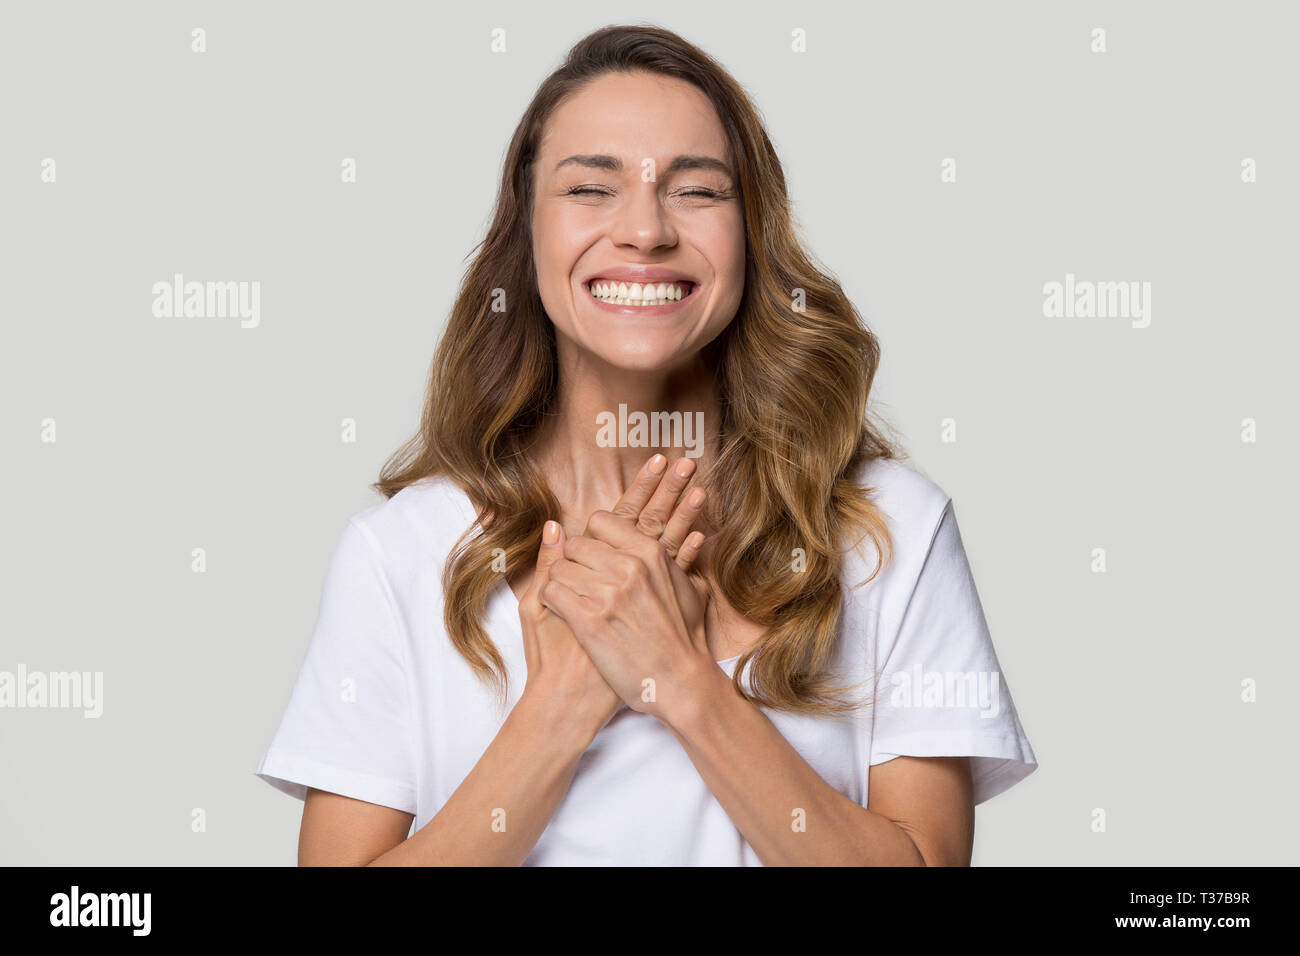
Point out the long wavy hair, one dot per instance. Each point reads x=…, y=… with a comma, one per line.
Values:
x=792, y=372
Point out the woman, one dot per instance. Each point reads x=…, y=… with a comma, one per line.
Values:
x=542, y=648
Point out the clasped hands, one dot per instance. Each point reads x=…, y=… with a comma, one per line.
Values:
x=615, y=616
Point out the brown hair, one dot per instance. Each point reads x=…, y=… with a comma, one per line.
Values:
x=792, y=384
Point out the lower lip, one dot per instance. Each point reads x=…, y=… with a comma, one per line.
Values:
x=643, y=309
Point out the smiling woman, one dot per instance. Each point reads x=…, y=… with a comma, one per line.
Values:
x=669, y=186
x=552, y=651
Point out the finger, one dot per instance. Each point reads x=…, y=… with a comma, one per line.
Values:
x=576, y=577
x=703, y=590
x=690, y=550
x=690, y=582
x=654, y=516
x=563, y=600
x=642, y=487
x=552, y=550
x=589, y=552
x=679, y=525
x=615, y=531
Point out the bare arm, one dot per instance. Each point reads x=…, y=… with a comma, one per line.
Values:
x=921, y=808
x=494, y=818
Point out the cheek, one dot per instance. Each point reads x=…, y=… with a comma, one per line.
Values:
x=545, y=235
x=736, y=238
x=722, y=238
x=558, y=243
x=726, y=251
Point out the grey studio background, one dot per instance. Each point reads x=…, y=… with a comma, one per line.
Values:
x=1072, y=433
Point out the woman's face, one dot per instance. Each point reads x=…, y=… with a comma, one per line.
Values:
x=633, y=189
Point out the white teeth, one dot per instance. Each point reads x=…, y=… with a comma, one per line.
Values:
x=621, y=293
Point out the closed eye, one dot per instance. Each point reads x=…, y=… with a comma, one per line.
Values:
x=699, y=192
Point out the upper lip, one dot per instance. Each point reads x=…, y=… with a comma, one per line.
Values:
x=641, y=274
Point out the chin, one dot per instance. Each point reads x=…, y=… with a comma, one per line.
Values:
x=641, y=349
x=649, y=360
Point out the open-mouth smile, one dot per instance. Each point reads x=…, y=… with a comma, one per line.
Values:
x=635, y=296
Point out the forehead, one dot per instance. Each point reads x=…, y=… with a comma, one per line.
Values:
x=633, y=116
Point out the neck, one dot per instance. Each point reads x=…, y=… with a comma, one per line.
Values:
x=591, y=450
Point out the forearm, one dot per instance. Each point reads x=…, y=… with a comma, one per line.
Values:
x=785, y=811
x=498, y=813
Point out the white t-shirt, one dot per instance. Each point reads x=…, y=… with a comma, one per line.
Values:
x=385, y=710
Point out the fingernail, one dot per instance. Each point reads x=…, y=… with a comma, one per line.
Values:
x=684, y=468
x=695, y=498
x=656, y=464
x=550, y=532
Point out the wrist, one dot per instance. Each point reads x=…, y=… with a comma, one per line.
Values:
x=706, y=688
x=571, y=729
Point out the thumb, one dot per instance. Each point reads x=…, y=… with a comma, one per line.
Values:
x=552, y=550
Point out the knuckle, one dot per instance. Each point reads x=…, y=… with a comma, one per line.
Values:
x=635, y=570
x=651, y=551
x=629, y=569
x=650, y=524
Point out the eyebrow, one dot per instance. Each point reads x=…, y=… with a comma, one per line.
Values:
x=615, y=165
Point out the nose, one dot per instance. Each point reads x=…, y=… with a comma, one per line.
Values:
x=642, y=222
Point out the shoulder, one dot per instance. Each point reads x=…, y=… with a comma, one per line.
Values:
x=912, y=506
x=911, y=500
x=423, y=519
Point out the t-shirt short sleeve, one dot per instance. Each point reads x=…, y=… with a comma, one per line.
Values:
x=940, y=692
x=347, y=727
